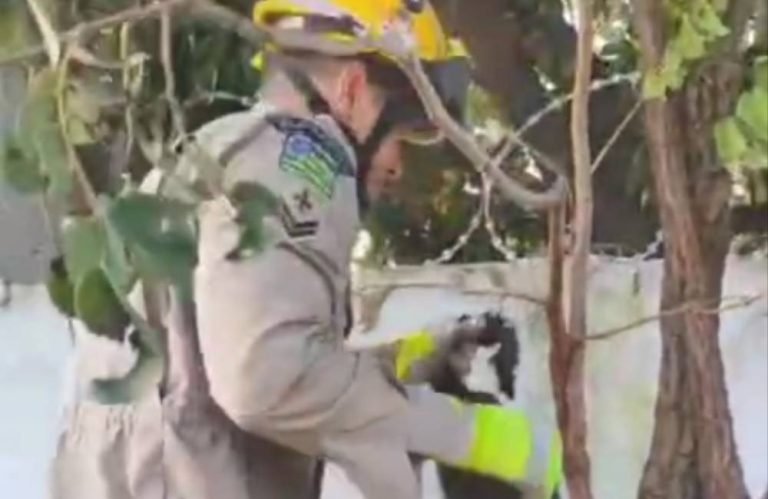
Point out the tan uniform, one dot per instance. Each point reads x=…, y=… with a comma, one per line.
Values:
x=278, y=386
x=271, y=325
x=321, y=400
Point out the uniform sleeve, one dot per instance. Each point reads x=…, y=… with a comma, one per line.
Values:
x=264, y=310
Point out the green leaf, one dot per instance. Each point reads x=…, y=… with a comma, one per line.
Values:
x=688, y=42
x=654, y=86
x=115, y=262
x=160, y=235
x=731, y=143
x=752, y=110
x=84, y=243
x=671, y=75
x=674, y=70
x=98, y=307
x=41, y=133
x=14, y=29
x=19, y=168
x=720, y=5
x=78, y=132
x=54, y=160
x=757, y=157
x=253, y=202
x=60, y=289
x=82, y=113
x=709, y=22
x=84, y=106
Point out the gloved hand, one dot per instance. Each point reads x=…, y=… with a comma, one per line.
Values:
x=513, y=447
x=420, y=355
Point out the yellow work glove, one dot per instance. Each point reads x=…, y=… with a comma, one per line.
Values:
x=511, y=447
x=419, y=353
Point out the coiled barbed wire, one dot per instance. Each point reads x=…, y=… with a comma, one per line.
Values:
x=483, y=213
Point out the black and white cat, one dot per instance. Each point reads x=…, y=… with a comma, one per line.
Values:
x=489, y=366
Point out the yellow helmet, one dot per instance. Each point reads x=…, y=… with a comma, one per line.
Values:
x=348, y=22
x=353, y=19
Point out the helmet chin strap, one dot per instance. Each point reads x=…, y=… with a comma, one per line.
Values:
x=364, y=150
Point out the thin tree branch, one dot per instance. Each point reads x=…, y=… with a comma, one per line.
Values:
x=574, y=421
x=47, y=31
x=393, y=45
x=562, y=101
x=576, y=298
x=516, y=295
x=202, y=10
x=166, y=59
x=739, y=302
x=226, y=19
x=86, y=29
x=472, y=150
x=209, y=96
x=616, y=134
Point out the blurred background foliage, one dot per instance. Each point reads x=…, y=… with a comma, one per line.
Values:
x=105, y=110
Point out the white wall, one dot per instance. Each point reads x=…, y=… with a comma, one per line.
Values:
x=33, y=368
x=621, y=372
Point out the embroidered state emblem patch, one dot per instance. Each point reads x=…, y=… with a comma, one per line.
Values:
x=304, y=157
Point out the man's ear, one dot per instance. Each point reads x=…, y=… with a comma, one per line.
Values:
x=351, y=85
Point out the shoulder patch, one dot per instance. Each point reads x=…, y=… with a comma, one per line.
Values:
x=310, y=153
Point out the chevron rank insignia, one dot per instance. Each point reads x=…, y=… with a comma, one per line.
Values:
x=297, y=214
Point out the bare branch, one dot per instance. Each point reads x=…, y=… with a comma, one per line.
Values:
x=88, y=58
x=472, y=150
x=209, y=96
x=202, y=10
x=166, y=58
x=87, y=29
x=616, y=134
x=576, y=297
x=559, y=103
x=52, y=45
x=225, y=18
x=570, y=403
x=739, y=302
x=503, y=293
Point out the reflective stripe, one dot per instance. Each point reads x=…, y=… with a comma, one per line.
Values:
x=411, y=350
x=502, y=444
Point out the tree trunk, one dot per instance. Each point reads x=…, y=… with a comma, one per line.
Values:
x=566, y=367
x=693, y=452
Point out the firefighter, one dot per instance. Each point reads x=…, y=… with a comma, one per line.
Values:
x=326, y=140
